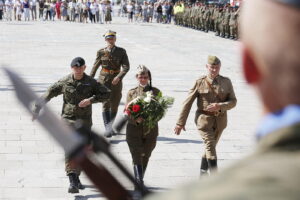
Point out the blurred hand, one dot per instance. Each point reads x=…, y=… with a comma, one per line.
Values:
x=178, y=129
x=214, y=107
x=115, y=81
x=84, y=103
x=139, y=120
x=34, y=116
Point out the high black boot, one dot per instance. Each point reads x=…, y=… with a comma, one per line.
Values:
x=138, y=173
x=107, y=123
x=73, y=183
x=204, y=167
x=79, y=184
x=113, y=117
x=212, y=165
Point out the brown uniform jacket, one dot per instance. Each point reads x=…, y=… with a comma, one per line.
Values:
x=205, y=96
x=136, y=92
x=112, y=60
x=271, y=173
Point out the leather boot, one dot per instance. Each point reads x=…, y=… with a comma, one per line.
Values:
x=79, y=184
x=204, y=167
x=212, y=165
x=107, y=123
x=73, y=183
x=113, y=117
x=138, y=173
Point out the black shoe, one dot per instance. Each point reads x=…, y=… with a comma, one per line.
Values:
x=113, y=117
x=79, y=184
x=73, y=184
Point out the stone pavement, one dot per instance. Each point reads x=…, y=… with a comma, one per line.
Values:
x=31, y=163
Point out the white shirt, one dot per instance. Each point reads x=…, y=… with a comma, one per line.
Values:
x=33, y=2
x=9, y=4
x=129, y=8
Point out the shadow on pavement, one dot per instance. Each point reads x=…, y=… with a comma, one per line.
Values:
x=177, y=141
x=81, y=197
x=165, y=139
x=155, y=189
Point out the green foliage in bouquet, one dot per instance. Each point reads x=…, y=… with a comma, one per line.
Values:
x=150, y=108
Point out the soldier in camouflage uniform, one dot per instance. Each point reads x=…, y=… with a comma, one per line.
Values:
x=219, y=19
x=225, y=31
x=233, y=23
x=141, y=141
x=79, y=92
x=215, y=95
x=111, y=59
x=206, y=17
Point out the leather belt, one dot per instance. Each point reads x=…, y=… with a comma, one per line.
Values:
x=210, y=113
x=110, y=71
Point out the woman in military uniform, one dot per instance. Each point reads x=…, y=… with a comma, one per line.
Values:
x=141, y=141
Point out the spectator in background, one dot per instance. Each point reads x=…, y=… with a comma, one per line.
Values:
x=145, y=11
x=18, y=6
x=169, y=13
x=9, y=6
x=52, y=10
x=64, y=7
x=41, y=9
x=1, y=9
x=26, y=9
x=33, y=9
x=150, y=12
x=159, y=13
x=93, y=12
x=130, y=8
x=57, y=9
x=108, y=11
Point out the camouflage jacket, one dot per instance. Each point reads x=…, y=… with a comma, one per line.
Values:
x=74, y=91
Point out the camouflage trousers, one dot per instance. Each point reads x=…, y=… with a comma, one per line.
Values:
x=233, y=31
x=71, y=167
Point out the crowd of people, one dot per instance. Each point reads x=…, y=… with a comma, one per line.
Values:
x=222, y=19
x=160, y=11
x=67, y=10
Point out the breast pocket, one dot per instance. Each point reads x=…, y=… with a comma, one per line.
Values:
x=85, y=91
x=203, y=91
x=70, y=94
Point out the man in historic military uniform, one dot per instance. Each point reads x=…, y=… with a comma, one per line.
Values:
x=272, y=171
x=79, y=92
x=215, y=95
x=111, y=59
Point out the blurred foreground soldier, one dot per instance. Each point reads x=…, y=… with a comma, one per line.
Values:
x=272, y=172
x=141, y=141
x=79, y=92
x=215, y=95
x=111, y=59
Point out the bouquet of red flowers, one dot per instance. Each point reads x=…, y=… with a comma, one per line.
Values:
x=149, y=107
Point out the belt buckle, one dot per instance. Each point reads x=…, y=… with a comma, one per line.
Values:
x=111, y=71
x=216, y=114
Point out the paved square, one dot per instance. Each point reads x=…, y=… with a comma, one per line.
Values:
x=31, y=163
